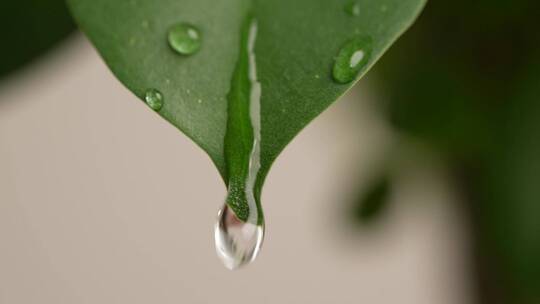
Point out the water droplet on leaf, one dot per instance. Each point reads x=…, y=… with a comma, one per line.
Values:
x=351, y=59
x=184, y=38
x=154, y=99
x=353, y=9
x=237, y=242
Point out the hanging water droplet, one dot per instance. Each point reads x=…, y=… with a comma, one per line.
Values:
x=184, y=38
x=353, y=8
x=154, y=99
x=351, y=59
x=237, y=242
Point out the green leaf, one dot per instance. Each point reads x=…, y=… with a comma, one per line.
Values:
x=208, y=94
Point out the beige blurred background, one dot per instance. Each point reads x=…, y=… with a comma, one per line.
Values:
x=101, y=201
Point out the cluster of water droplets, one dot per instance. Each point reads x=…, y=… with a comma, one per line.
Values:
x=355, y=54
x=184, y=39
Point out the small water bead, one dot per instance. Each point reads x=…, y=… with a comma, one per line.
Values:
x=351, y=59
x=353, y=9
x=154, y=99
x=184, y=38
x=237, y=243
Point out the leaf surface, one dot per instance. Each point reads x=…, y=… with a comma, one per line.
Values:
x=297, y=44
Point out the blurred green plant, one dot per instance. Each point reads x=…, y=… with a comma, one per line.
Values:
x=467, y=82
x=29, y=28
x=373, y=200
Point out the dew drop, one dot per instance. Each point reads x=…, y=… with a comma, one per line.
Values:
x=353, y=9
x=237, y=242
x=184, y=38
x=154, y=99
x=351, y=59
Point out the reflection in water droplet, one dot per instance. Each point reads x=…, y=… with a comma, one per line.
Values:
x=353, y=8
x=154, y=99
x=356, y=58
x=351, y=59
x=184, y=38
x=237, y=242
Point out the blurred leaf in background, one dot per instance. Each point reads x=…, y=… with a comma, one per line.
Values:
x=466, y=81
x=373, y=200
x=29, y=28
